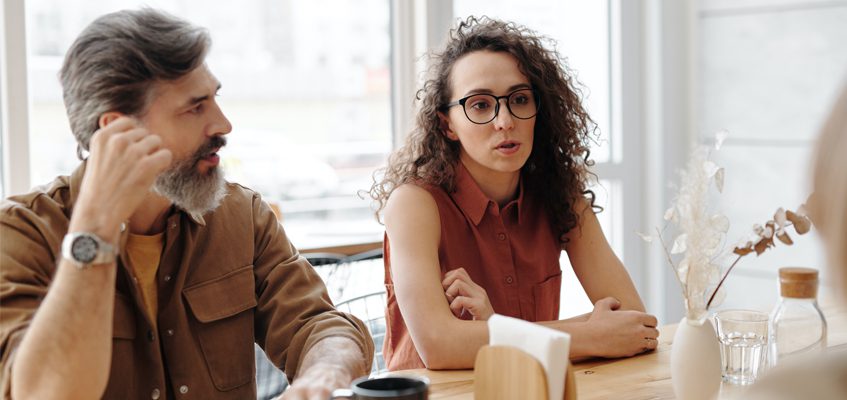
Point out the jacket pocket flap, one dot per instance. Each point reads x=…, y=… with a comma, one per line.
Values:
x=223, y=296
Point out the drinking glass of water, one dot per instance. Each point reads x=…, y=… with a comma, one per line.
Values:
x=744, y=337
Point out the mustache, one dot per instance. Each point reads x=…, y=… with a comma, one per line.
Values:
x=211, y=146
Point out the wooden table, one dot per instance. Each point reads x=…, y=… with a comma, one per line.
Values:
x=642, y=377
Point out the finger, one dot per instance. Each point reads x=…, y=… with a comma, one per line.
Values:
x=136, y=134
x=453, y=290
x=155, y=163
x=462, y=274
x=647, y=333
x=120, y=124
x=649, y=320
x=653, y=333
x=651, y=344
x=608, y=303
x=458, y=305
x=147, y=145
x=461, y=288
x=123, y=140
x=452, y=276
x=449, y=277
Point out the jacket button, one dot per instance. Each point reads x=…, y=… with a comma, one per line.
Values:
x=509, y=279
x=155, y=395
x=167, y=278
x=183, y=389
x=501, y=236
x=169, y=332
x=150, y=336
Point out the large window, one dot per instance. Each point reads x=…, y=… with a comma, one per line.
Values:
x=305, y=85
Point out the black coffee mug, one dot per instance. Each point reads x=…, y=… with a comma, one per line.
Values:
x=389, y=387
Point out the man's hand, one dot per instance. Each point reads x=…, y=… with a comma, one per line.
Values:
x=330, y=364
x=465, y=296
x=318, y=382
x=124, y=161
x=621, y=333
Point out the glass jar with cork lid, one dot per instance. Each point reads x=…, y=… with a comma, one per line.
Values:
x=798, y=327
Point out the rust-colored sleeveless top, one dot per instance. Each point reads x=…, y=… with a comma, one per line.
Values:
x=511, y=252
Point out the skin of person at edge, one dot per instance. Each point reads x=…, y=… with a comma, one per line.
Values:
x=148, y=168
x=443, y=308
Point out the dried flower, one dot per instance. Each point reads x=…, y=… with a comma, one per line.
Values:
x=702, y=233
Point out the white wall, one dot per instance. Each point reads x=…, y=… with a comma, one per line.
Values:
x=767, y=71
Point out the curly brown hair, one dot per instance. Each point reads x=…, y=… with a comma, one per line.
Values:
x=557, y=169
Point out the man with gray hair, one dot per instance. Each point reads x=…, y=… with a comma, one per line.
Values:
x=144, y=274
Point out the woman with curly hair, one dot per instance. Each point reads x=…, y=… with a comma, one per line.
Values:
x=480, y=202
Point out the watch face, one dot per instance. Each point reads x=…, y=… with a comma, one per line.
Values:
x=84, y=249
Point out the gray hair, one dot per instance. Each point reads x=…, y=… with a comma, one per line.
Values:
x=115, y=61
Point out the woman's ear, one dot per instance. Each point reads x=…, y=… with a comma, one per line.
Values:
x=107, y=118
x=444, y=124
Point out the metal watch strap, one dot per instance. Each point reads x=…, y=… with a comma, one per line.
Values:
x=106, y=252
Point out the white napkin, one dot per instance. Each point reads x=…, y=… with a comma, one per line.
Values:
x=549, y=346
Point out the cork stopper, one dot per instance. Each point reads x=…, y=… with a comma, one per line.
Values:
x=798, y=282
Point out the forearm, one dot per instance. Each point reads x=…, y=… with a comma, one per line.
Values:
x=583, y=345
x=66, y=351
x=72, y=327
x=451, y=345
x=340, y=354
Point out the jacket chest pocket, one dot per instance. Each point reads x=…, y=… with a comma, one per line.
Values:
x=224, y=309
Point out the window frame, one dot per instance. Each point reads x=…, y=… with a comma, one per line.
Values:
x=13, y=85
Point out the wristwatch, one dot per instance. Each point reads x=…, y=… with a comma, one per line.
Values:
x=84, y=249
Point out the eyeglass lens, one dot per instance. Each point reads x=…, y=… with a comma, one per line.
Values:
x=483, y=108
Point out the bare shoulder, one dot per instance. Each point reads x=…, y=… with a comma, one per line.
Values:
x=411, y=217
x=410, y=202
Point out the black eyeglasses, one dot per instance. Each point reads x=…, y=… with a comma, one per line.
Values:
x=483, y=108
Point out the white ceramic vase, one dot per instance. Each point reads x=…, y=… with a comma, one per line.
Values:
x=695, y=361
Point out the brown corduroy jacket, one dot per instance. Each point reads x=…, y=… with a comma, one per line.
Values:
x=226, y=279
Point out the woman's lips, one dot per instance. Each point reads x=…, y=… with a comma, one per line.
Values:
x=508, y=148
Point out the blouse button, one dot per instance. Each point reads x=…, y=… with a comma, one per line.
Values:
x=183, y=389
x=167, y=278
x=169, y=332
x=155, y=395
x=509, y=279
x=501, y=236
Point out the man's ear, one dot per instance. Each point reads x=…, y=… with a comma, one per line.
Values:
x=107, y=118
x=444, y=124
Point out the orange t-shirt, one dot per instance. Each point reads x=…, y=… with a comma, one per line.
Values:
x=144, y=252
x=511, y=252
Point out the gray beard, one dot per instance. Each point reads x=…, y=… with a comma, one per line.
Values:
x=190, y=190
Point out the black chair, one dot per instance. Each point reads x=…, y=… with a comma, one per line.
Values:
x=370, y=308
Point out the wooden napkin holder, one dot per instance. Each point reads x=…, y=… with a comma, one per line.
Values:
x=504, y=373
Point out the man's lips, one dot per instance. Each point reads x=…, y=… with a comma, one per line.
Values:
x=212, y=157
